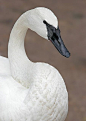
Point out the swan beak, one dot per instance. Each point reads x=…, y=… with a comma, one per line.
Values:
x=59, y=44
x=55, y=38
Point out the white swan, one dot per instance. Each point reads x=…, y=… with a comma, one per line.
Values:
x=32, y=91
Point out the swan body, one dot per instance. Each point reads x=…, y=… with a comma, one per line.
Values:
x=31, y=91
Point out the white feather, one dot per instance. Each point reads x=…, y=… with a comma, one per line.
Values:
x=30, y=91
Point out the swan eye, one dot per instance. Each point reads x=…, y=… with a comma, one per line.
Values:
x=44, y=22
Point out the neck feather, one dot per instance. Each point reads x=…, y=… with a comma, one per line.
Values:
x=19, y=62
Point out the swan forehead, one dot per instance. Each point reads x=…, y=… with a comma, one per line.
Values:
x=48, y=16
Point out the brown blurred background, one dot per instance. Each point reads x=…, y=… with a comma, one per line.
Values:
x=72, y=23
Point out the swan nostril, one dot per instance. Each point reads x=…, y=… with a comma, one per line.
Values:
x=54, y=37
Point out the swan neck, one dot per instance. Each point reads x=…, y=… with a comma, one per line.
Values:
x=18, y=33
x=19, y=62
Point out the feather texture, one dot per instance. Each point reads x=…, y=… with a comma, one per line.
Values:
x=30, y=91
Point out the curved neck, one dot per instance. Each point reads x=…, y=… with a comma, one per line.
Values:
x=19, y=61
x=17, y=36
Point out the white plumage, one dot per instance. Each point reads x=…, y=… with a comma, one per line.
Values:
x=30, y=91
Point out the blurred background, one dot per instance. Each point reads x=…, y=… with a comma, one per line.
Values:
x=72, y=23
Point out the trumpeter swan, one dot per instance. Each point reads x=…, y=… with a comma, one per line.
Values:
x=32, y=91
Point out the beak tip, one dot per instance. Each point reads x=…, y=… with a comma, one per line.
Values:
x=67, y=55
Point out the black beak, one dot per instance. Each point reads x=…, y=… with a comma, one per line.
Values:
x=55, y=38
x=58, y=43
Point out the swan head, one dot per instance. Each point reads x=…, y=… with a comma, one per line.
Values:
x=45, y=23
